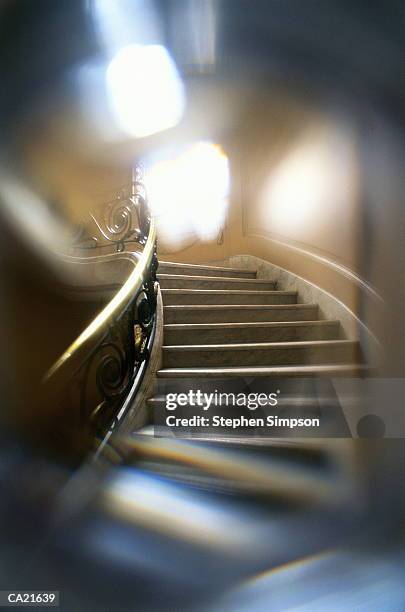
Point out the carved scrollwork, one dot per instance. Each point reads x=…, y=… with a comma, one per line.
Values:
x=119, y=221
x=104, y=379
x=112, y=371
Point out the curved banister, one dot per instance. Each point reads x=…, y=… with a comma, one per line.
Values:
x=81, y=347
x=99, y=372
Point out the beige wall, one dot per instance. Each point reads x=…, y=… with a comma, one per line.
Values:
x=294, y=197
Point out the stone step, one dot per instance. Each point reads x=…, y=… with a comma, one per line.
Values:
x=283, y=400
x=260, y=354
x=181, y=281
x=223, y=333
x=295, y=371
x=239, y=313
x=226, y=404
x=168, y=267
x=313, y=451
x=229, y=296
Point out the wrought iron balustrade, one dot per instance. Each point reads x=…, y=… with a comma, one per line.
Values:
x=95, y=379
x=123, y=221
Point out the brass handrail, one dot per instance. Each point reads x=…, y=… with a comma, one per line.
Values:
x=82, y=346
x=93, y=381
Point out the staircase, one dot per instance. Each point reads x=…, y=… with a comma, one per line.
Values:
x=226, y=329
x=224, y=322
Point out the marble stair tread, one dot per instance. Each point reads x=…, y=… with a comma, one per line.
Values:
x=238, y=313
x=295, y=371
x=292, y=400
x=184, y=281
x=185, y=268
x=228, y=296
x=309, y=444
x=256, y=331
x=260, y=353
x=302, y=405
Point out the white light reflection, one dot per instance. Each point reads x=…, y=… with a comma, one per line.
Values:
x=145, y=90
x=188, y=193
x=318, y=174
x=184, y=514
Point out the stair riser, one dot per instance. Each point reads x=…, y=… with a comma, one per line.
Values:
x=228, y=298
x=264, y=357
x=223, y=285
x=163, y=269
x=239, y=315
x=282, y=410
x=291, y=405
x=193, y=375
x=224, y=335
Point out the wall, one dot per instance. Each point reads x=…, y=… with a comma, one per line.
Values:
x=295, y=198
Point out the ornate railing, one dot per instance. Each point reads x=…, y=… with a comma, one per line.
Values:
x=95, y=379
x=121, y=222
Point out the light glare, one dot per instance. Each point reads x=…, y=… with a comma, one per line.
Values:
x=188, y=193
x=145, y=90
x=316, y=175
